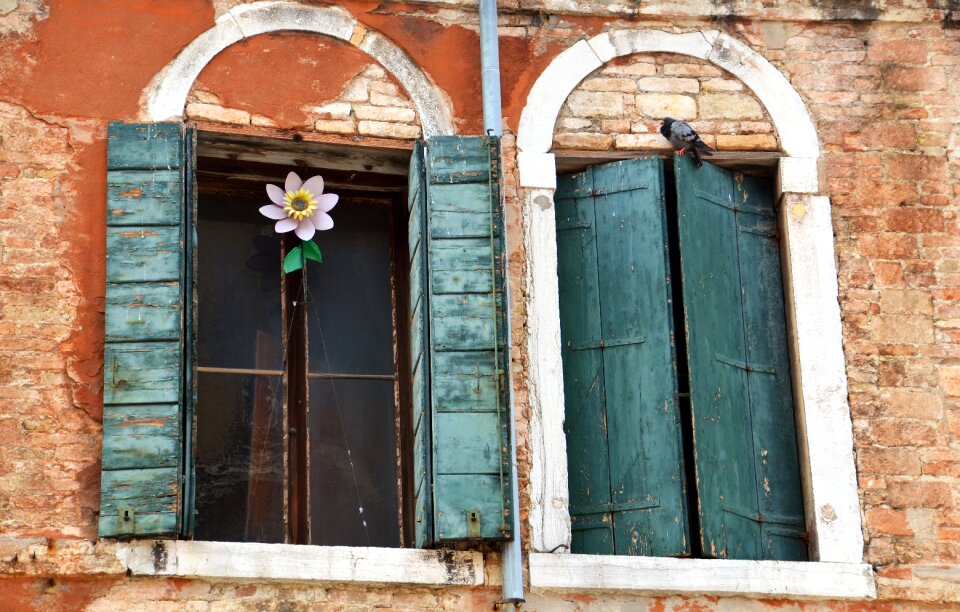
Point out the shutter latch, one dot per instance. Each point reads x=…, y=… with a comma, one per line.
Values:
x=473, y=523
x=127, y=521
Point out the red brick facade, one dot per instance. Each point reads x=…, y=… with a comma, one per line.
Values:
x=882, y=88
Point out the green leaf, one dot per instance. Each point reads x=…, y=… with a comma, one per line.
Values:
x=312, y=251
x=293, y=261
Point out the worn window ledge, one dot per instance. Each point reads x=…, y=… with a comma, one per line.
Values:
x=240, y=560
x=660, y=575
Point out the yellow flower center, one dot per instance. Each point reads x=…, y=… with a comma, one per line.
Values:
x=299, y=204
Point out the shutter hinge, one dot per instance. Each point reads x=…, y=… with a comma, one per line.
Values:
x=127, y=522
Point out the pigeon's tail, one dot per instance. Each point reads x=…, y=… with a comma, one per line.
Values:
x=703, y=148
x=696, y=156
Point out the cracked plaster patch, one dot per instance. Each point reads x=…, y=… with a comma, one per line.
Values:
x=17, y=17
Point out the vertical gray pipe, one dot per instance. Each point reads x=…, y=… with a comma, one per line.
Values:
x=510, y=552
x=490, y=68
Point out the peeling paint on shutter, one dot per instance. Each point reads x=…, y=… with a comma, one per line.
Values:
x=144, y=358
x=741, y=392
x=622, y=421
x=467, y=340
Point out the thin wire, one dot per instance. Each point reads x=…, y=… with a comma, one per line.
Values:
x=336, y=402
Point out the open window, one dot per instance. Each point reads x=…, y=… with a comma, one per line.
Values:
x=362, y=401
x=301, y=413
x=680, y=425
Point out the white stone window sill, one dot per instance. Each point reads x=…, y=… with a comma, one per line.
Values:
x=663, y=575
x=240, y=560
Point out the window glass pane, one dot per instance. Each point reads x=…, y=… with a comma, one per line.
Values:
x=350, y=310
x=337, y=488
x=240, y=458
x=350, y=323
x=238, y=283
x=239, y=417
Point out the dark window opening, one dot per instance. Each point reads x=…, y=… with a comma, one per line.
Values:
x=683, y=374
x=301, y=415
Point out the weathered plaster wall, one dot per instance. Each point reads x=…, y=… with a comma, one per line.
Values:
x=302, y=82
x=883, y=94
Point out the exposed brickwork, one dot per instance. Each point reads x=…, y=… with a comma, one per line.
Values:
x=370, y=104
x=621, y=105
x=883, y=94
x=49, y=444
x=884, y=98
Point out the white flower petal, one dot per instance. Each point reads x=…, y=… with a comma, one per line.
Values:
x=314, y=185
x=327, y=201
x=271, y=211
x=293, y=182
x=285, y=225
x=275, y=194
x=305, y=230
x=322, y=221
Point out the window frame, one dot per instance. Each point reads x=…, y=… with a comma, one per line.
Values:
x=472, y=161
x=831, y=503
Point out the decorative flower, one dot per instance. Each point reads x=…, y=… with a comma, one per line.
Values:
x=300, y=206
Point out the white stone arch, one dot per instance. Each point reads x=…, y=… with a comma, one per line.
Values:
x=166, y=96
x=810, y=281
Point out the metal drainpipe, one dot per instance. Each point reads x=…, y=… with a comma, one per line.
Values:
x=511, y=556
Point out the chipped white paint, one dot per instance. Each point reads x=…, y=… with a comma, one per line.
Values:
x=167, y=93
x=833, y=512
x=537, y=170
x=824, y=426
x=784, y=105
x=243, y=560
x=548, y=94
x=435, y=115
x=666, y=576
x=798, y=175
x=550, y=526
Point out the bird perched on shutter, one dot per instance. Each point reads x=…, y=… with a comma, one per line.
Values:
x=683, y=138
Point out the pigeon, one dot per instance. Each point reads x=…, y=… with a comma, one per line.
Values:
x=683, y=137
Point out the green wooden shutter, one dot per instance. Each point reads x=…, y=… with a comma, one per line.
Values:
x=741, y=393
x=622, y=422
x=419, y=360
x=144, y=357
x=467, y=340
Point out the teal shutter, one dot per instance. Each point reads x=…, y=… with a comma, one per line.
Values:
x=741, y=393
x=466, y=340
x=144, y=357
x=622, y=423
x=419, y=360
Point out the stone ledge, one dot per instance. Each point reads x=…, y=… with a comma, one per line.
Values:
x=40, y=556
x=333, y=564
x=664, y=575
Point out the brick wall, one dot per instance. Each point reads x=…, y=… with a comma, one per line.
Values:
x=50, y=398
x=621, y=105
x=884, y=98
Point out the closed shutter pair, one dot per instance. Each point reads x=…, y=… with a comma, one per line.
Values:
x=628, y=484
x=458, y=332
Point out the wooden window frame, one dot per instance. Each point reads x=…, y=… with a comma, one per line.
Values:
x=296, y=377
